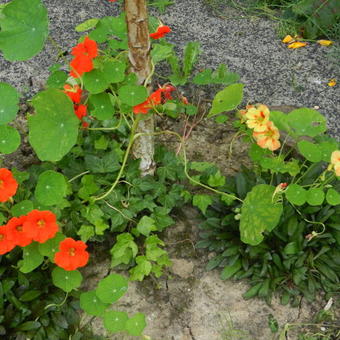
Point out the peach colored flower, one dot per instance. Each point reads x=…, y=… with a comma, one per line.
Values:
x=268, y=139
x=335, y=157
x=337, y=169
x=257, y=117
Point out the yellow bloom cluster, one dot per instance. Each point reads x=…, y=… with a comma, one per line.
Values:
x=265, y=132
x=335, y=162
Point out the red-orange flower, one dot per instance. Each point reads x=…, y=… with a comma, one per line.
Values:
x=72, y=254
x=167, y=92
x=16, y=231
x=80, y=111
x=80, y=64
x=6, y=244
x=161, y=32
x=154, y=99
x=74, y=92
x=40, y=225
x=8, y=185
x=87, y=48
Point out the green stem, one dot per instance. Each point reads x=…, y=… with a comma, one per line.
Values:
x=79, y=175
x=120, y=173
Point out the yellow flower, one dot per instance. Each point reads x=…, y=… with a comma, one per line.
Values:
x=332, y=82
x=325, y=42
x=287, y=39
x=268, y=139
x=335, y=157
x=257, y=117
x=297, y=44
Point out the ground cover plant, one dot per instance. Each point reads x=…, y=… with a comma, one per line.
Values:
x=98, y=178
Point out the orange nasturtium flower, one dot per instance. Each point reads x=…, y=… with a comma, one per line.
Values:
x=84, y=53
x=8, y=185
x=154, y=99
x=162, y=30
x=6, y=244
x=16, y=231
x=40, y=225
x=257, y=117
x=297, y=44
x=74, y=92
x=87, y=48
x=269, y=138
x=72, y=254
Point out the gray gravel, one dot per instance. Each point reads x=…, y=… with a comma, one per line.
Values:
x=272, y=73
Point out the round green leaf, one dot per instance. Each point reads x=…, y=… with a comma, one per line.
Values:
x=136, y=324
x=227, y=99
x=333, y=197
x=51, y=246
x=115, y=321
x=95, y=81
x=296, y=194
x=259, y=213
x=22, y=208
x=112, y=288
x=31, y=258
x=9, y=103
x=315, y=196
x=9, y=139
x=310, y=151
x=53, y=130
x=24, y=29
x=132, y=94
x=326, y=150
x=51, y=188
x=57, y=79
x=307, y=122
x=66, y=280
x=90, y=303
x=103, y=108
x=114, y=71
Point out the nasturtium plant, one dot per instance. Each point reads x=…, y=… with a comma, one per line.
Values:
x=51, y=188
x=27, y=21
x=227, y=99
x=66, y=280
x=53, y=129
x=112, y=288
x=9, y=103
x=9, y=139
x=91, y=304
x=259, y=215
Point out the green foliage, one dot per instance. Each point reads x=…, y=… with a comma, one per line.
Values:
x=27, y=21
x=66, y=280
x=51, y=188
x=9, y=103
x=53, y=130
x=260, y=212
x=112, y=288
x=227, y=99
x=9, y=140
